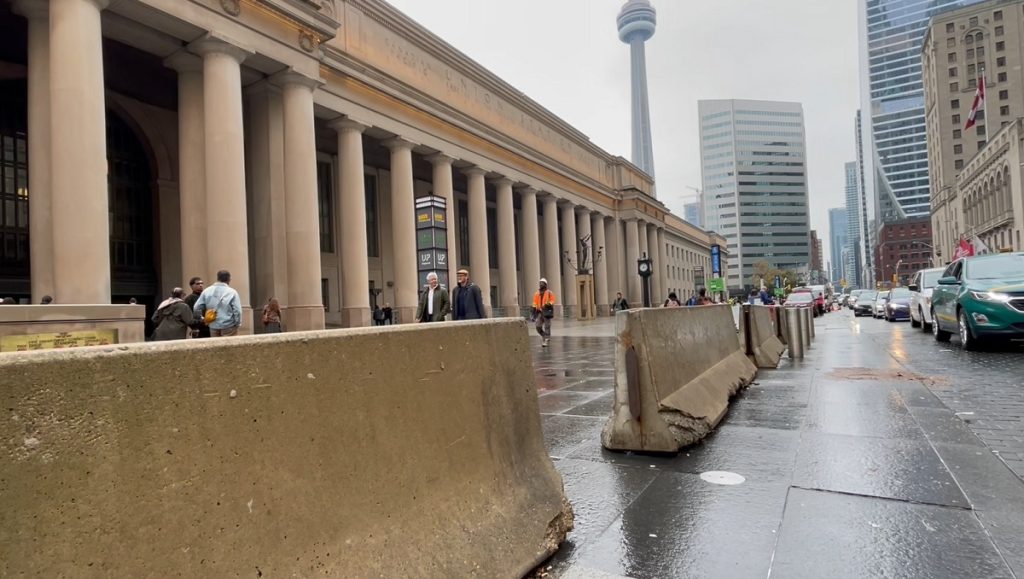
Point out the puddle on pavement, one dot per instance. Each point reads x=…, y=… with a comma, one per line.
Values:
x=878, y=375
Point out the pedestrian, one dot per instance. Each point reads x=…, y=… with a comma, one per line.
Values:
x=222, y=307
x=692, y=300
x=543, y=311
x=9, y=302
x=467, y=301
x=434, y=304
x=47, y=300
x=271, y=317
x=132, y=301
x=620, y=304
x=752, y=297
x=199, y=327
x=703, y=299
x=388, y=314
x=378, y=315
x=172, y=318
x=766, y=299
x=672, y=301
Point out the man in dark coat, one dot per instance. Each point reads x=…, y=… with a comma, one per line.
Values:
x=199, y=328
x=467, y=301
x=434, y=305
x=172, y=318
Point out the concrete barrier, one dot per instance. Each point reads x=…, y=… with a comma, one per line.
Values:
x=675, y=370
x=758, y=337
x=408, y=451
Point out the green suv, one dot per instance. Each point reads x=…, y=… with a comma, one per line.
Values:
x=980, y=297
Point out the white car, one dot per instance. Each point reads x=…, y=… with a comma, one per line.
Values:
x=878, y=308
x=921, y=297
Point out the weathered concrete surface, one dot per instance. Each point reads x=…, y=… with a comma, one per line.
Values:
x=689, y=364
x=410, y=451
x=764, y=347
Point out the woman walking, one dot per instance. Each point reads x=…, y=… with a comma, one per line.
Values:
x=172, y=318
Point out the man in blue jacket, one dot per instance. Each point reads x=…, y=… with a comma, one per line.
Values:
x=223, y=299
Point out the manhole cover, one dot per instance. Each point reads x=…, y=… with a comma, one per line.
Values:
x=721, y=477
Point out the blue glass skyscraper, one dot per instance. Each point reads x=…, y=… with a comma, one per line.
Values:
x=892, y=97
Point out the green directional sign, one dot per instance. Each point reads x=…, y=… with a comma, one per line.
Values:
x=779, y=292
x=716, y=284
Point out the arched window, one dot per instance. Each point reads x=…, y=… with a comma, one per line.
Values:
x=132, y=220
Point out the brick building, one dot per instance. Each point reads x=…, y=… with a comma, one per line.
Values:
x=904, y=247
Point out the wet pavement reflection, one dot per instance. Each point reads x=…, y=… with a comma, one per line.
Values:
x=853, y=465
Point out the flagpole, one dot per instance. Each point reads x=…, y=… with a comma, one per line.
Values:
x=984, y=101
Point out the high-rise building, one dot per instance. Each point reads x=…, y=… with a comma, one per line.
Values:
x=754, y=172
x=892, y=98
x=691, y=212
x=959, y=44
x=817, y=267
x=837, y=232
x=852, y=249
x=636, y=22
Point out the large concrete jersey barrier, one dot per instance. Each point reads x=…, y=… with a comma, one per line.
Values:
x=412, y=451
x=759, y=336
x=675, y=370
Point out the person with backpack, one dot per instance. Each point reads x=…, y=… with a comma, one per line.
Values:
x=271, y=317
x=543, y=311
x=222, y=307
x=172, y=318
x=672, y=301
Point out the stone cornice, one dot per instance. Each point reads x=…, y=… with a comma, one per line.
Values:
x=319, y=16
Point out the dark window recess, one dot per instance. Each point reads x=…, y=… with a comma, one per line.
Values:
x=372, y=217
x=326, y=294
x=325, y=201
x=492, y=237
x=464, y=256
x=14, y=189
x=130, y=199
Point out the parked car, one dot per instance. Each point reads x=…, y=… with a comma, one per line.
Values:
x=802, y=300
x=897, y=307
x=980, y=298
x=921, y=297
x=878, y=308
x=864, y=303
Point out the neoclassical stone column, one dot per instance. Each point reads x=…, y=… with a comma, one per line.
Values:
x=657, y=289
x=479, y=258
x=600, y=264
x=191, y=166
x=227, y=233
x=616, y=257
x=78, y=161
x=444, y=187
x=508, y=288
x=305, y=310
x=403, y=230
x=531, y=242
x=635, y=297
x=569, y=243
x=662, y=257
x=552, y=256
x=355, y=273
x=40, y=211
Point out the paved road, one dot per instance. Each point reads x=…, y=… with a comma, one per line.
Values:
x=855, y=466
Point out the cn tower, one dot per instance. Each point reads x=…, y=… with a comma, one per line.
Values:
x=636, y=26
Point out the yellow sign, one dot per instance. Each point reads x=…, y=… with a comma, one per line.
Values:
x=30, y=342
x=842, y=283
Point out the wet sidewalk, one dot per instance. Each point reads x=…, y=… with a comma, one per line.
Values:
x=850, y=467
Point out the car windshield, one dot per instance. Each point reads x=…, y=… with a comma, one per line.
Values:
x=899, y=293
x=882, y=296
x=930, y=279
x=799, y=298
x=867, y=296
x=856, y=293
x=1003, y=266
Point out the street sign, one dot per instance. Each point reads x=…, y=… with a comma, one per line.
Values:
x=716, y=285
x=432, y=238
x=779, y=292
x=842, y=283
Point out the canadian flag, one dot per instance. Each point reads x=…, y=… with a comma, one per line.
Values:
x=963, y=249
x=979, y=101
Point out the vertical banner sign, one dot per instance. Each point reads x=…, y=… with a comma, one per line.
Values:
x=716, y=260
x=432, y=239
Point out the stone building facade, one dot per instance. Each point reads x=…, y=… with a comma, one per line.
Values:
x=288, y=141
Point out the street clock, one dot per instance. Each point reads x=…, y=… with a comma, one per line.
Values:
x=644, y=267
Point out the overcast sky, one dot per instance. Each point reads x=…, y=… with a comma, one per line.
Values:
x=566, y=55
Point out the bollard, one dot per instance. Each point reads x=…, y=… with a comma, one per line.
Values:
x=811, y=321
x=805, y=328
x=792, y=323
